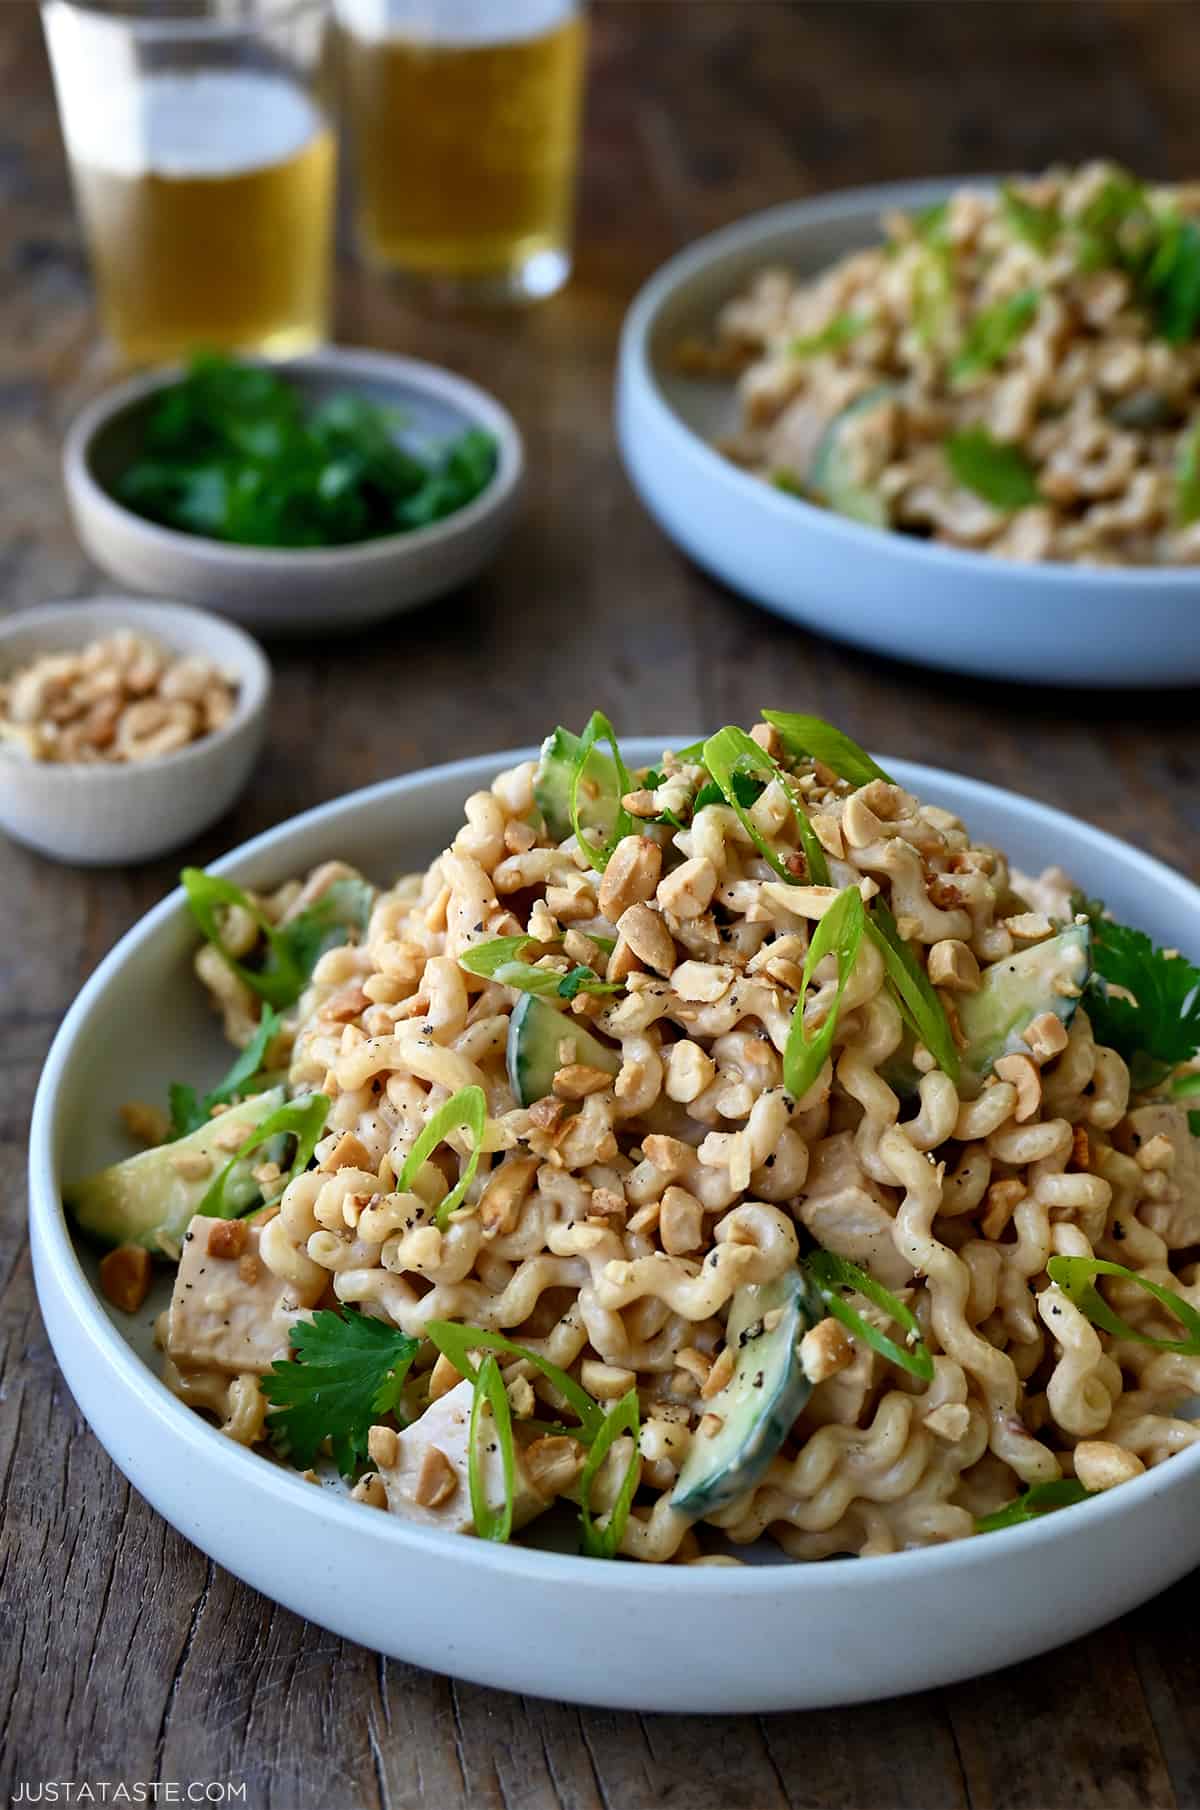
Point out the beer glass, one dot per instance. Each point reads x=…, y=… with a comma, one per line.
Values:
x=464, y=123
x=203, y=161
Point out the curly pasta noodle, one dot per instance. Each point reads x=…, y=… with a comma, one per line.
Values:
x=610, y=1224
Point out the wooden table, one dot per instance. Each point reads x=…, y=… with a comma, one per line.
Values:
x=125, y=1654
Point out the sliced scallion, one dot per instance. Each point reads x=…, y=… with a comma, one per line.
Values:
x=599, y=854
x=839, y=931
x=731, y=754
x=464, y=1111
x=1076, y=1277
x=456, y=1342
x=919, y=1005
x=604, y=1542
x=832, y=1273
x=491, y=1523
x=813, y=736
x=302, y=1119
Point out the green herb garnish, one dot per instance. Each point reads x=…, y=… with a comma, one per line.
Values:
x=497, y=960
x=919, y=1004
x=840, y=930
x=1158, y=1028
x=994, y=332
x=1040, y=1499
x=303, y=1120
x=490, y=1396
x=1038, y=226
x=188, y=1112
x=456, y=1342
x=834, y=336
x=1187, y=479
x=584, y=777
x=231, y=452
x=346, y=1371
x=604, y=1542
x=1075, y=1276
x=832, y=1274
x=819, y=740
x=292, y=949
x=732, y=757
x=464, y=1111
x=999, y=473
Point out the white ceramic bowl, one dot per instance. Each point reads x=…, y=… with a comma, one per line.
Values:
x=622, y=1635
x=106, y=814
x=289, y=591
x=1048, y=624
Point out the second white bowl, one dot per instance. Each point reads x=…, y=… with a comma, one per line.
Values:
x=968, y=612
x=304, y=590
x=109, y=814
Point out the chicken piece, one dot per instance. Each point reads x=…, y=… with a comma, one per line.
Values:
x=227, y=1312
x=850, y=1214
x=1176, y=1219
x=421, y=1487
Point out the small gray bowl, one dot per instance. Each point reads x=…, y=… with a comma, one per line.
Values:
x=298, y=591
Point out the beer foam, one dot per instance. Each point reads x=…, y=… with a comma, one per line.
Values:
x=211, y=123
x=452, y=22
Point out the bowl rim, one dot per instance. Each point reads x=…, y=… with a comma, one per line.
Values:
x=254, y=680
x=637, y=368
x=479, y=407
x=290, y=1491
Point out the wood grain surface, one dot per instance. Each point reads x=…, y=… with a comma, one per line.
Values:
x=124, y=1654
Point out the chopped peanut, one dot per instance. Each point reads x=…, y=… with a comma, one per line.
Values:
x=952, y=965
x=688, y=891
x=227, y=1238
x=443, y=1377
x=437, y=1478
x=383, y=1447
x=710, y=1425
x=648, y=937
x=681, y=1222
x=149, y=1124
x=1026, y=1077
x=630, y=877
x=1099, y=1464
x=1046, y=1036
x=718, y=1376
x=607, y=1382
x=825, y=1349
x=553, y=1464
x=125, y=1277
x=348, y=1152
x=501, y=1201
x=578, y=1079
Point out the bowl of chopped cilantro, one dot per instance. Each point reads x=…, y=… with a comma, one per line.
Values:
x=953, y=421
x=304, y=497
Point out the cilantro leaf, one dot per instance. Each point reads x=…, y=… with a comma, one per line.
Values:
x=1038, y=226
x=231, y=452
x=997, y=472
x=188, y=1113
x=1159, y=1027
x=292, y=949
x=834, y=336
x=346, y=1371
x=994, y=332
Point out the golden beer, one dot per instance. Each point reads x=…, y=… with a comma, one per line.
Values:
x=214, y=228
x=465, y=149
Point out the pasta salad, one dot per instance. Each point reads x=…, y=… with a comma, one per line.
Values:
x=728, y=1149
x=1013, y=372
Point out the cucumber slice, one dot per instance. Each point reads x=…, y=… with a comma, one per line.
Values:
x=146, y=1201
x=535, y=1032
x=1016, y=991
x=760, y=1401
x=829, y=476
x=552, y=789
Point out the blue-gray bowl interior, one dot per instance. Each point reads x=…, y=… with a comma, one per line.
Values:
x=423, y=421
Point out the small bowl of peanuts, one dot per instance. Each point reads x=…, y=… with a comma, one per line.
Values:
x=126, y=727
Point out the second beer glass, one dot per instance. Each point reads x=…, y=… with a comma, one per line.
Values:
x=464, y=121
